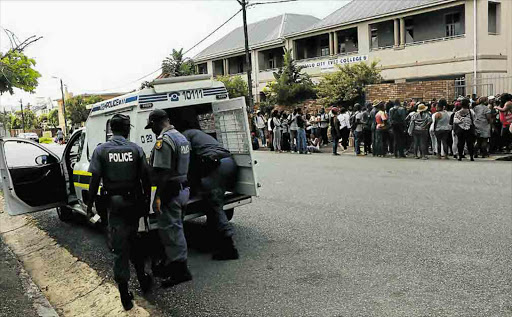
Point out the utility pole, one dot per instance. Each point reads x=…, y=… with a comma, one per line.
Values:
x=64, y=108
x=22, y=116
x=244, y=3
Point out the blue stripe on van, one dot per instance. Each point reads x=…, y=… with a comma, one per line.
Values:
x=131, y=99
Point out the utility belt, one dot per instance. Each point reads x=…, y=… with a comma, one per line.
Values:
x=210, y=162
x=128, y=193
x=173, y=188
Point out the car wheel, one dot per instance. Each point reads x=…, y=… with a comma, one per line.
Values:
x=65, y=214
x=229, y=213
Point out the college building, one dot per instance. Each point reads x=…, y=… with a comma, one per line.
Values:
x=458, y=46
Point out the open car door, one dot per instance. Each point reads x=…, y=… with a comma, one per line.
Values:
x=234, y=134
x=32, y=177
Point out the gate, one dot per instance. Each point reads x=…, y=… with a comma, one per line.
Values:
x=484, y=86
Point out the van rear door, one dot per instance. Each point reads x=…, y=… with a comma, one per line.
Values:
x=233, y=133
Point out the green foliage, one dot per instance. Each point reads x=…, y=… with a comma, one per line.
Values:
x=29, y=118
x=16, y=71
x=176, y=65
x=291, y=85
x=235, y=85
x=41, y=120
x=45, y=140
x=76, y=108
x=348, y=83
x=53, y=118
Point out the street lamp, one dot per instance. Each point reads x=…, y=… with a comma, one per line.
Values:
x=63, y=105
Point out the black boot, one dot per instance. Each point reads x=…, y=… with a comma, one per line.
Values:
x=145, y=282
x=226, y=250
x=126, y=296
x=178, y=273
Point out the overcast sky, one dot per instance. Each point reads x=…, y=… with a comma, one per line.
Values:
x=100, y=46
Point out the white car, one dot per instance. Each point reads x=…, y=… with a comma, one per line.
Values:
x=30, y=136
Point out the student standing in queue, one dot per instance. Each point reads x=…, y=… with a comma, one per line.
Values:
x=123, y=167
x=170, y=160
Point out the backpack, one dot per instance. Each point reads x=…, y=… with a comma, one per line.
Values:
x=272, y=125
x=396, y=117
x=352, y=121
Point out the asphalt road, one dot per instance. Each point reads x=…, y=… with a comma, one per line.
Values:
x=346, y=236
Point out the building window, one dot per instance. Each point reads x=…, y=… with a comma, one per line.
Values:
x=493, y=17
x=409, y=31
x=271, y=62
x=374, y=36
x=324, y=47
x=453, y=25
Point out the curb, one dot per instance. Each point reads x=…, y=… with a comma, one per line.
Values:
x=69, y=285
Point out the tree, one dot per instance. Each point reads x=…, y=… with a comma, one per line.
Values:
x=53, y=118
x=176, y=65
x=291, y=85
x=42, y=120
x=16, y=69
x=29, y=118
x=76, y=108
x=348, y=83
x=235, y=85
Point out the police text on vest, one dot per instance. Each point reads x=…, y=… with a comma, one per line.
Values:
x=120, y=157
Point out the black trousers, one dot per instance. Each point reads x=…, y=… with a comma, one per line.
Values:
x=323, y=134
x=216, y=183
x=466, y=137
x=123, y=226
x=442, y=139
x=399, y=139
x=345, y=134
x=367, y=139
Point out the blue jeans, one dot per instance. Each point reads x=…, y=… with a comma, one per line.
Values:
x=261, y=132
x=358, y=135
x=301, y=140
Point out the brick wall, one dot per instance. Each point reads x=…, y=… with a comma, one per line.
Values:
x=420, y=90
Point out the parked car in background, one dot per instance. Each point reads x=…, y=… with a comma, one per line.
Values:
x=29, y=135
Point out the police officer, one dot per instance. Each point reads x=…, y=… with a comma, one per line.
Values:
x=214, y=170
x=170, y=160
x=123, y=168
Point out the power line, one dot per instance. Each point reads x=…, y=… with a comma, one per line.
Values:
x=201, y=41
x=269, y=2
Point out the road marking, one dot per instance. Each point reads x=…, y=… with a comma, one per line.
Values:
x=70, y=285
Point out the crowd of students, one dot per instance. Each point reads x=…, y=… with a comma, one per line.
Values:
x=464, y=126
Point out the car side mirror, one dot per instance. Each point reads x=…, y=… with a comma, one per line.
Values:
x=42, y=159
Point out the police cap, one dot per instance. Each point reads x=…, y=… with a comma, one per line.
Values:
x=156, y=116
x=119, y=122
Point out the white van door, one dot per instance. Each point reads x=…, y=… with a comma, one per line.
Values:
x=233, y=133
x=32, y=177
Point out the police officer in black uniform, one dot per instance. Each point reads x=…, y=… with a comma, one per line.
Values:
x=170, y=160
x=214, y=170
x=123, y=168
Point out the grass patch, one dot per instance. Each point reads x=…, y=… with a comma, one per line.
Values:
x=45, y=140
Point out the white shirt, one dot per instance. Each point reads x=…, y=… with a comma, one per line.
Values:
x=344, y=119
x=260, y=122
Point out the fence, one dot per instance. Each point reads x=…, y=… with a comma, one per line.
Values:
x=483, y=86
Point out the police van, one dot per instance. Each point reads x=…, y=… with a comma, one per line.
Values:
x=35, y=178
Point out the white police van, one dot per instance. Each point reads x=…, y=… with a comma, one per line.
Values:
x=34, y=178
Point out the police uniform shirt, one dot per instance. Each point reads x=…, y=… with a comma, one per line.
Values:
x=162, y=153
x=204, y=144
x=100, y=155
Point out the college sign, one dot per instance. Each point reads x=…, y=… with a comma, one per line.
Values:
x=326, y=65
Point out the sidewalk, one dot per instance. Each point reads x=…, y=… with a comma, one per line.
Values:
x=19, y=296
